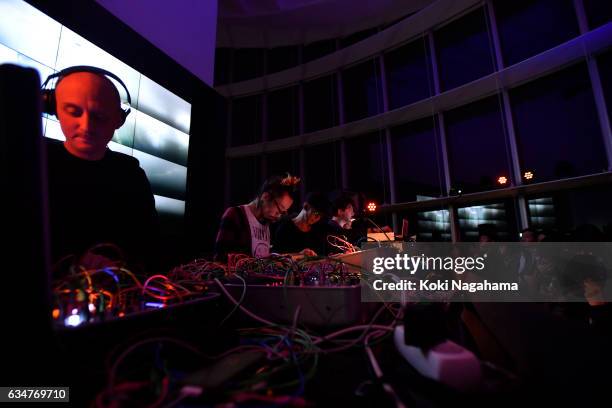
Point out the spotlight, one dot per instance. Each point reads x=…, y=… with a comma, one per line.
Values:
x=371, y=207
x=528, y=175
x=502, y=180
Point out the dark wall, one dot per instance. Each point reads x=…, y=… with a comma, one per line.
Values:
x=205, y=172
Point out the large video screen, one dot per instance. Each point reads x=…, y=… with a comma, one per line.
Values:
x=157, y=130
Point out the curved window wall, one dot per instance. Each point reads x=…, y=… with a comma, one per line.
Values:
x=465, y=113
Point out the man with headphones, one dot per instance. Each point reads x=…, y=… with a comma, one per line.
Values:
x=96, y=195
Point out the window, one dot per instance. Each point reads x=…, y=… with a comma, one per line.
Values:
x=322, y=167
x=529, y=27
x=362, y=91
x=408, y=74
x=279, y=163
x=498, y=220
x=557, y=127
x=281, y=58
x=541, y=213
x=358, y=36
x=283, y=113
x=245, y=179
x=248, y=64
x=366, y=166
x=604, y=62
x=222, y=65
x=562, y=212
x=599, y=12
x=246, y=120
x=318, y=49
x=417, y=161
x=464, y=50
x=320, y=103
x=427, y=226
x=476, y=145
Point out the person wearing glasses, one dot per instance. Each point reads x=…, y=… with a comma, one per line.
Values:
x=245, y=229
x=296, y=234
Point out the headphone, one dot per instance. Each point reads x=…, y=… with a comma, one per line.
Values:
x=48, y=95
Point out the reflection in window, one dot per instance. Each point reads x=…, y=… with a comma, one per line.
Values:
x=434, y=226
x=464, y=50
x=541, y=213
x=428, y=226
x=362, y=91
x=495, y=220
x=529, y=27
x=477, y=153
x=322, y=167
x=246, y=120
x=563, y=212
x=366, y=166
x=557, y=127
x=283, y=120
x=408, y=74
x=417, y=160
x=320, y=103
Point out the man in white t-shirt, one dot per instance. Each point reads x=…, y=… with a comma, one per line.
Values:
x=245, y=229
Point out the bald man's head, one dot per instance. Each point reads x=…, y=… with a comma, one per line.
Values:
x=89, y=111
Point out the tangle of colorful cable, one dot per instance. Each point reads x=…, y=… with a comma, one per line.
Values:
x=117, y=291
x=287, y=350
x=96, y=291
x=342, y=244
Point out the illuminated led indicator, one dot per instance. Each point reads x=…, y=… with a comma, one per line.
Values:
x=528, y=175
x=56, y=313
x=75, y=311
x=502, y=180
x=371, y=206
x=155, y=305
x=92, y=308
x=73, y=320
